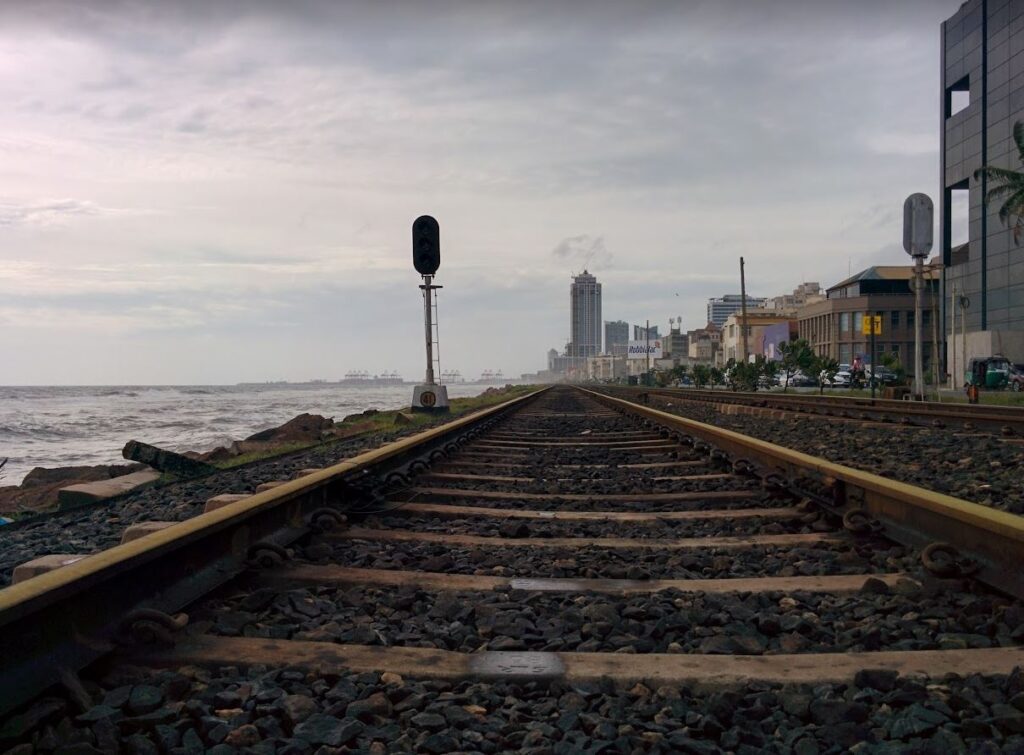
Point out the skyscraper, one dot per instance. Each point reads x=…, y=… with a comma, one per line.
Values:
x=720, y=309
x=982, y=98
x=616, y=337
x=585, y=316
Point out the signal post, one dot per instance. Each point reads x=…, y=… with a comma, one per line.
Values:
x=429, y=396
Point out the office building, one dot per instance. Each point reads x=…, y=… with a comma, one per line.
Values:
x=607, y=367
x=641, y=333
x=756, y=323
x=805, y=293
x=584, y=316
x=981, y=97
x=703, y=344
x=616, y=336
x=676, y=344
x=834, y=327
x=719, y=309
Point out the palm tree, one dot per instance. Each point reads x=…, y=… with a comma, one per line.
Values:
x=1011, y=186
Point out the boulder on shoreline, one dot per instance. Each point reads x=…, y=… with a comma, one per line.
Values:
x=164, y=460
x=310, y=428
x=38, y=491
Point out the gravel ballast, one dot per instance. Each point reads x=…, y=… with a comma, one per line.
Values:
x=860, y=557
x=260, y=710
x=978, y=467
x=541, y=528
x=905, y=617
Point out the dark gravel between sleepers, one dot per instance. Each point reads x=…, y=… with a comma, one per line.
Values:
x=549, y=458
x=265, y=711
x=96, y=528
x=854, y=557
x=757, y=499
x=625, y=483
x=909, y=617
x=550, y=475
x=541, y=528
x=982, y=468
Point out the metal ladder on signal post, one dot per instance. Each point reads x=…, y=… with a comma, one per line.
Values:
x=435, y=338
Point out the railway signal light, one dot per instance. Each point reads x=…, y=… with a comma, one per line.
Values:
x=918, y=218
x=426, y=258
x=426, y=245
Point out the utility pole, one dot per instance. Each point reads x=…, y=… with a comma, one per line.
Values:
x=952, y=337
x=935, y=337
x=874, y=364
x=647, y=335
x=964, y=304
x=743, y=309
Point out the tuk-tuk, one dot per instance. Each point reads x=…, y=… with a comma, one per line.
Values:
x=991, y=373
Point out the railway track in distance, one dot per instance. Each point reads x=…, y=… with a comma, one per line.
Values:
x=1003, y=420
x=567, y=572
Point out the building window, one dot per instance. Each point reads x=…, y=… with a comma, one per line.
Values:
x=844, y=322
x=858, y=322
x=894, y=319
x=958, y=96
x=958, y=197
x=896, y=350
x=845, y=354
x=926, y=318
x=910, y=320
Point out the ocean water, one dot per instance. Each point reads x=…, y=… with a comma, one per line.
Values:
x=68, y=425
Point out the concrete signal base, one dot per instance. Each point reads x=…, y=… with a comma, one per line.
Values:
x=430, y=398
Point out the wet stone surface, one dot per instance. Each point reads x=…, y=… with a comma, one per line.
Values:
x=853, y=557
x=910, y=616
x=541, y=528
x=260, y=710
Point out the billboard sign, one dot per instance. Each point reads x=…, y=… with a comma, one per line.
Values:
x=644, y=349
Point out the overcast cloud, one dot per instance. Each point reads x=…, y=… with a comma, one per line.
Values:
x=223, y=191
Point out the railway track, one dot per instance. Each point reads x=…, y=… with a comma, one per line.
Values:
x=564, y=573
x=1004, y=420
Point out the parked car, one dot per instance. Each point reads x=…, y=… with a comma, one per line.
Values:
x=882, y=376
x=840, y=380
x=1017, y=377
x=800, y=380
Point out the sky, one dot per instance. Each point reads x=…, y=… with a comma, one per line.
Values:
x=215, y=192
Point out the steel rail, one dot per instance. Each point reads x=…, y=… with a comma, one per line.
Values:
x=61, y=621
x=988, y=540
x=925, y=412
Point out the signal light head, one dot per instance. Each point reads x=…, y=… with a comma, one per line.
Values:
x=426, y=245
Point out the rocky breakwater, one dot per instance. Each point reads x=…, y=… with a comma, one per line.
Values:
x=38, y=491
x=46, y=489
x=303, y=430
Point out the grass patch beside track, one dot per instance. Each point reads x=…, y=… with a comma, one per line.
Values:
x=384, y=423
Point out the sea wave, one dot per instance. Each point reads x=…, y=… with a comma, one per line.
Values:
x=50, y=426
